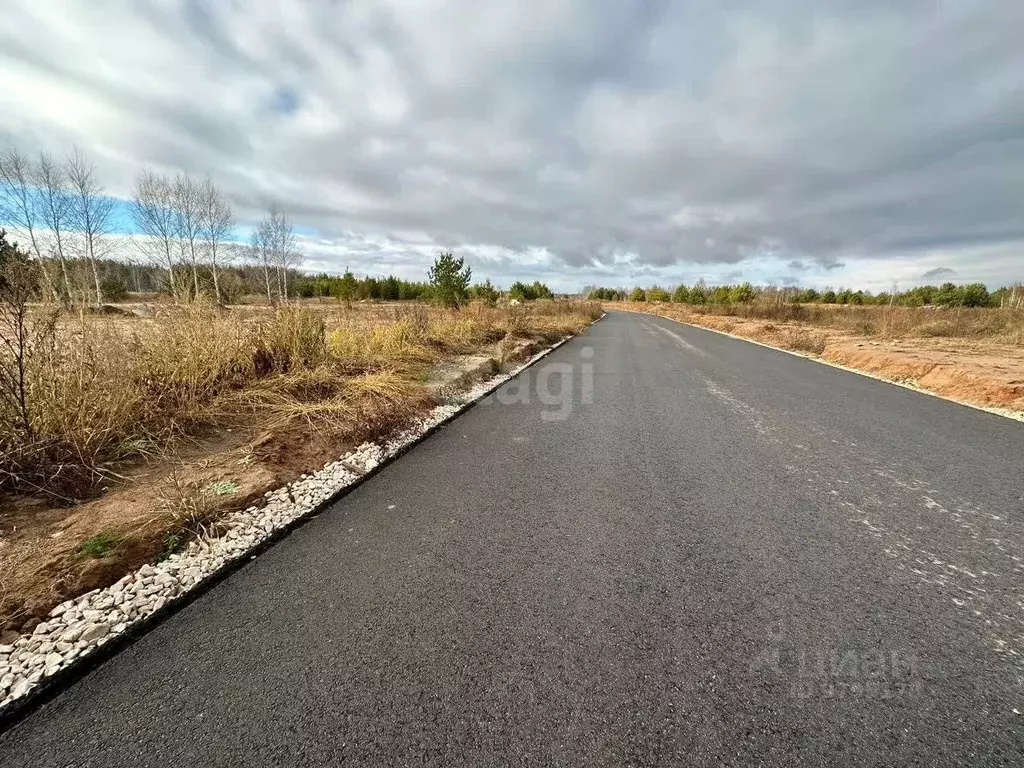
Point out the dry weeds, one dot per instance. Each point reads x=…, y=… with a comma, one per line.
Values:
x=974, y=356
x=116, y=389
x=134, y=419
x=1002, y=325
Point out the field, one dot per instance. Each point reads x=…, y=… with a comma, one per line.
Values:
x=972, y=355
x=139, y=431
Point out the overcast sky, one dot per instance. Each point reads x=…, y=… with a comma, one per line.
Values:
x=825, y=142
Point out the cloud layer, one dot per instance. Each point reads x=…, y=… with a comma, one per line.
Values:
x=851, y=141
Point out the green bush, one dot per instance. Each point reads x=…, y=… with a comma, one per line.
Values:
x=657, y=294
x=742, y=294
x=113, y=288
x=449, y=280
x=485, y=292
x=524, y=292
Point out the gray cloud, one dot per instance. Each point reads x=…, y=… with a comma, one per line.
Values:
x=577, y=140
x=931, y=274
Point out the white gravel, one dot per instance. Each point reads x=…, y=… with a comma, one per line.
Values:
x=75, y=628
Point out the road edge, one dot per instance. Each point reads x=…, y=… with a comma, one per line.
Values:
x=52, y=686
x=1006, y=413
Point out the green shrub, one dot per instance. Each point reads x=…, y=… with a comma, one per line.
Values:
x=100, y=545
x=113, y=288
x=657, y=294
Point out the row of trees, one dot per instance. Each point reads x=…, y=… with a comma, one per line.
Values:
x=535, y=290
x=449, y=285
x=237, y=279
x=59, y=211
x=184, y=226
x=241, y=279
x=945, y=295
x=184, y=243
x=188, y=230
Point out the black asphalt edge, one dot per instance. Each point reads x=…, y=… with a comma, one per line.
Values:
x=1005, y=413
x=50, y=687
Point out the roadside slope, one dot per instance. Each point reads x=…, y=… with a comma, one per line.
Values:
x=980, y=372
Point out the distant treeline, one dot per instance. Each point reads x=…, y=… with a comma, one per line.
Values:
x=185, y=236
x=118, y=279
x=945, y=295
x=236, y=281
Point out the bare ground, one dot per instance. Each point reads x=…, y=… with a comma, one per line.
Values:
x=42, y=562
x=984, y=372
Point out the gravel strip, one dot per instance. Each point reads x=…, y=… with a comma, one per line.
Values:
x=77, y=627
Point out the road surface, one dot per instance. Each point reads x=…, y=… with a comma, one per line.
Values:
x=711, y=553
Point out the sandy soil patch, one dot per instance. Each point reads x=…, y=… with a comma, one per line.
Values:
x=987, y=373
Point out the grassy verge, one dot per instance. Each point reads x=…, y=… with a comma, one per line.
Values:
x=142, y=431
x=874, y=322
x=971, y=355
x=103, y=391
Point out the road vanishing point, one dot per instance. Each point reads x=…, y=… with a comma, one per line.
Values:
x=658, y=546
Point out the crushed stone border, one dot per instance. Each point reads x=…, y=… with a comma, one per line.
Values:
x=80, y=634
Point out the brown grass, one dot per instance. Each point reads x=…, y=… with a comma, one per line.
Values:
x=974, y=356
x=802, y=340
x=140, y=417
x=1004, y=325
x=114, y=388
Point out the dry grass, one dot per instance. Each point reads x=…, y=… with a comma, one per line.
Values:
x=1003, y=325
x=973, y=356
x=191, y=506
x=801, y=326
x=802, y=340
x=223, y=406
x=113, y=389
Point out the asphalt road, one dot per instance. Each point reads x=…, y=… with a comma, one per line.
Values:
x=712, y=553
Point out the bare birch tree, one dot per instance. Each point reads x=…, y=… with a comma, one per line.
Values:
x=55, y=197
x=134, y=274
x=155, y=217
x=20, y=207
x=90, y=213
x=285, y=252
x=291, y=256
x=261, y=253
x=216, y=224
x=188, y=210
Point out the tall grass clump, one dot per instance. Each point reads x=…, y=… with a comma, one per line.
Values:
x=100, y=390
x=109, y=389
x=396, y=346
x=292, y=338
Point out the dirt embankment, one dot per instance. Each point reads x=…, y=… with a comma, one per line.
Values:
x=984, y=372
x=54, y=553
x=378, y=369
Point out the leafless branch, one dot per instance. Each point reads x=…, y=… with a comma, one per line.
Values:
x=153, y=210
x=90, y=212
x=216, y=225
